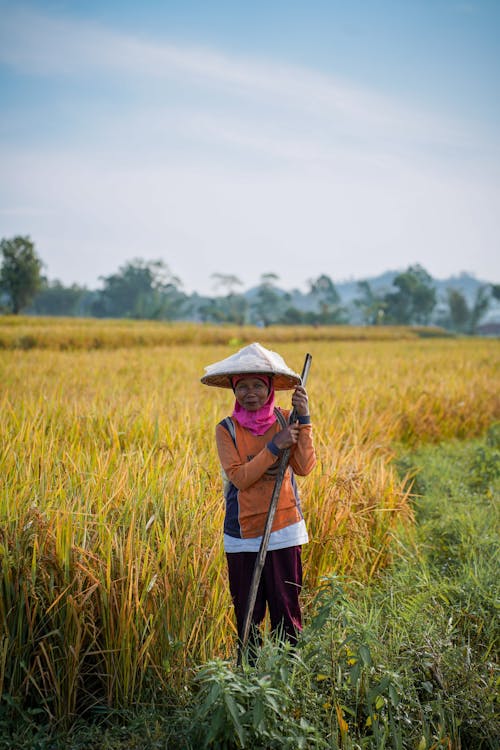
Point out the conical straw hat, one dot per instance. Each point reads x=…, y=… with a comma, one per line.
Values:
x=251, y=359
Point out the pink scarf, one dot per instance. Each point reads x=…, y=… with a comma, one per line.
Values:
x=258, y=422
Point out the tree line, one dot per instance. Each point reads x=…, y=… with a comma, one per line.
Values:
x=149, y=290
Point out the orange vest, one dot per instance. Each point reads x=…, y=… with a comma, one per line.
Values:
x=249, y=471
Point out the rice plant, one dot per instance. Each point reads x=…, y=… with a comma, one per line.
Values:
x=113, y=583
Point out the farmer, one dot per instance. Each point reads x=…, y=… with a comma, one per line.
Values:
x=249, y=444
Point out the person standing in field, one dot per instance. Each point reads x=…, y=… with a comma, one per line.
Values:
x=249, y=444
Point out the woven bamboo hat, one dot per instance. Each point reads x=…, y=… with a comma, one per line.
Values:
x=252, y=359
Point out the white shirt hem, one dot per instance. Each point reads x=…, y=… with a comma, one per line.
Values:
x=290, y=536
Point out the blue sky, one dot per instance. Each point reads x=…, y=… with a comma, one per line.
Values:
x=298, y=138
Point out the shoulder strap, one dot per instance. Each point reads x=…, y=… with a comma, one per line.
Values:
x=229, y=425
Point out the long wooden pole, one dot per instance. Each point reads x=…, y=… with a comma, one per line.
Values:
x=261, y=556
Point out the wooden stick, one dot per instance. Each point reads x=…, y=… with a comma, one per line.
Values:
x=261, y=556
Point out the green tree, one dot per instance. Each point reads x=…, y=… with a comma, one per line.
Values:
x=372, y=306
x=459, y=310
x=293, y=316
x=141, y=289
x=323, y=290
x=54, y=298
x=465, y=318
x=268, y=305
x=20, y=273
x=233, y=307
x=212, y=311
x=479, y=308
x=226, y=280
x=414, y=298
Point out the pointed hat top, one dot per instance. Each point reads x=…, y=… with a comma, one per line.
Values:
x=251, y=359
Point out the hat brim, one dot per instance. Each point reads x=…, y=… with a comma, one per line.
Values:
x=281, y=381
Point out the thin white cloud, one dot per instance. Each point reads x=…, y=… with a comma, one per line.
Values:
x=48, y=46
x=230, y=164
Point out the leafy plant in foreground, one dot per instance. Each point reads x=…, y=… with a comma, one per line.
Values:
x=252, y=708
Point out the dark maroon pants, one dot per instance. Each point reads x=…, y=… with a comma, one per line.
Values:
x=279, y=589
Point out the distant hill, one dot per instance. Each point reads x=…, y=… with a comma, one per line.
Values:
x=348, y=290
x=464, y=282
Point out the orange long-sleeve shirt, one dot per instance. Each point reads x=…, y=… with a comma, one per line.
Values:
x=249, y=469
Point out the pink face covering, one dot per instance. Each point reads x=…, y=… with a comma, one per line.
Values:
x=258, y=422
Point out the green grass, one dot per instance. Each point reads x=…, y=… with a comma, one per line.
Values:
x=408, y=661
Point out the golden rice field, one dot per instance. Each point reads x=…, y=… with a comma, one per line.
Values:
x=18, y=332
x=112, y=569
